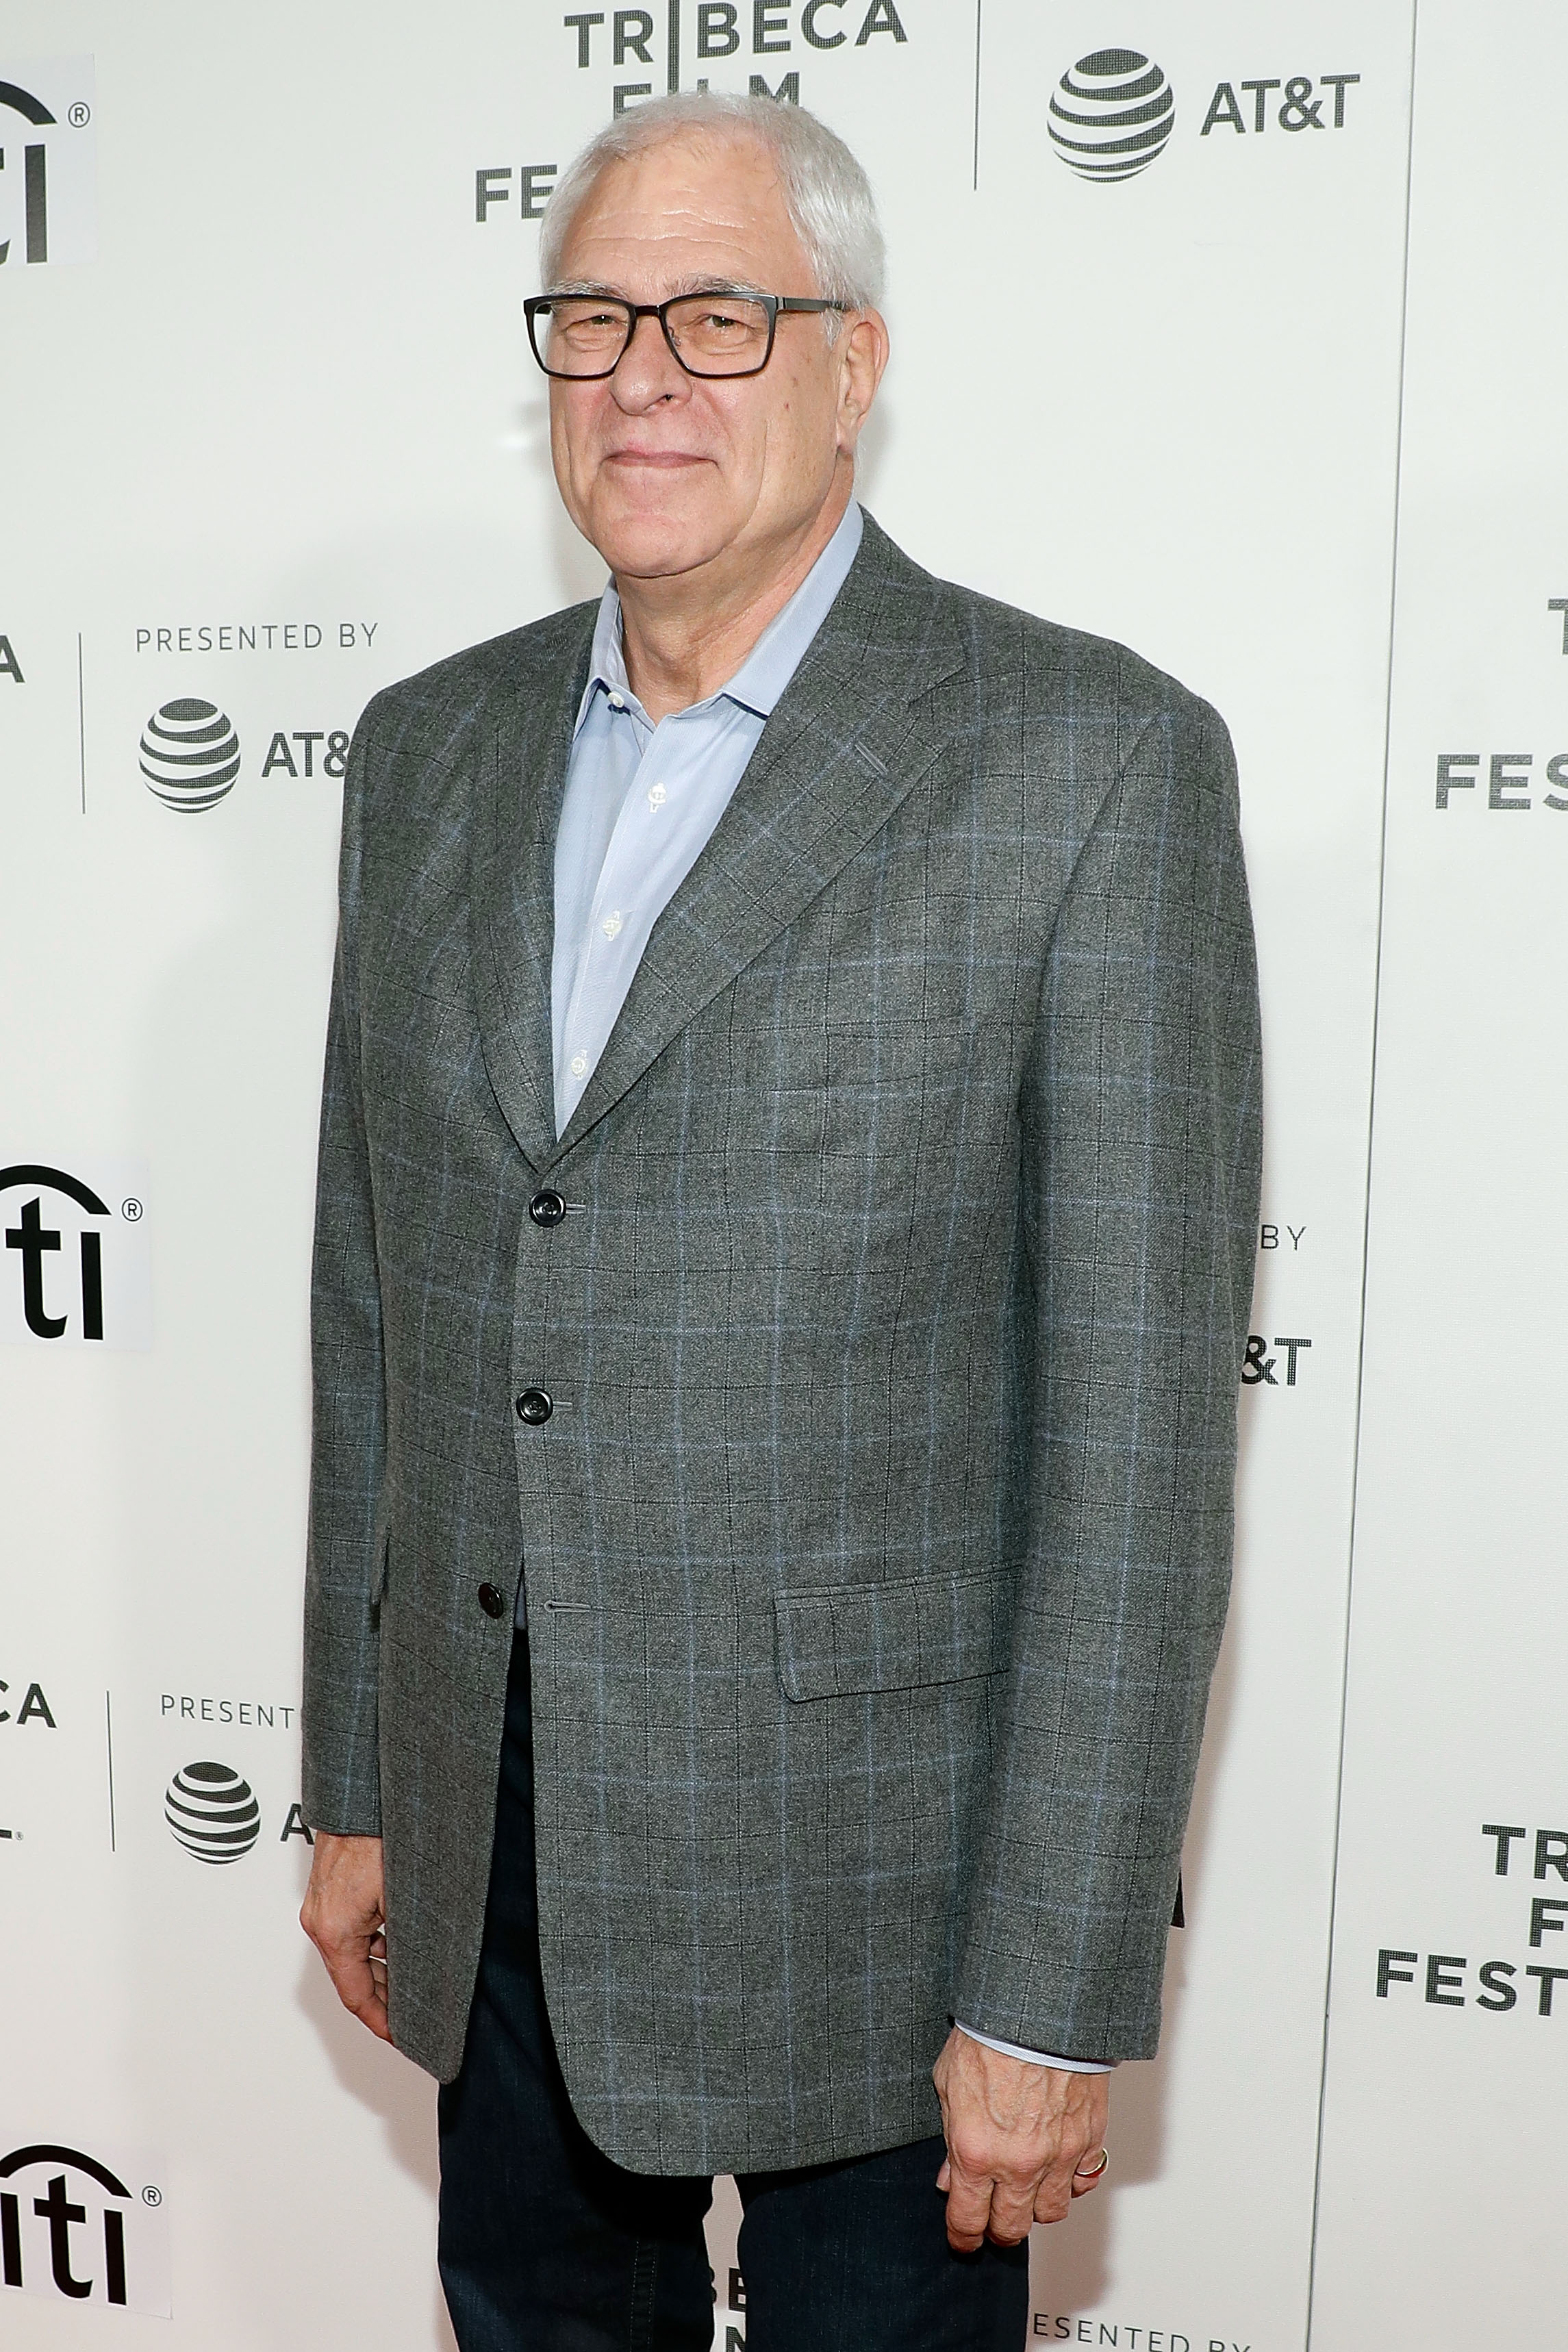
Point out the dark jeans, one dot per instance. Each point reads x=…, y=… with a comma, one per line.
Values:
x=544, y=2243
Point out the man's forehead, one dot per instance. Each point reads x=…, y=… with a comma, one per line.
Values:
x=677, y=202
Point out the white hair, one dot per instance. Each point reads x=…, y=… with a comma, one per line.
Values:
x=826, y=194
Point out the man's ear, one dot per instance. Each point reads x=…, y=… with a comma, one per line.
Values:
x=863, y=356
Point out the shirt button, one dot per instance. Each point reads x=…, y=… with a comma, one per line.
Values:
x=610, y=926
x=656, y=797
x=535, y=1407
x=547, y=1208
x=492, y=1602
x=616, y=701
x=579, y=1063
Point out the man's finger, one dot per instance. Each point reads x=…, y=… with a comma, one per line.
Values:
x=1058, y=2187
x=357, y=1989
x=968, y=2210
x=1053, y=2198
x=372, y=2015
x=348, y=1963
x=1013, y=2213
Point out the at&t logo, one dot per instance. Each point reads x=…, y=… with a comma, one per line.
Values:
x=212, y=1812
x=1112, y=114
x=71, y=2226
x=190, y=754
x=77, y=1256
x=1260, y=1370
x=1289, y=100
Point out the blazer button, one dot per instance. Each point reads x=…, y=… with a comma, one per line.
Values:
x=547, y=1208
x=534, y=1406
x=492, y=1602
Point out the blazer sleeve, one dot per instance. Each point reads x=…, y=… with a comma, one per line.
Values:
x=1141, y=1164
x=345, y=1560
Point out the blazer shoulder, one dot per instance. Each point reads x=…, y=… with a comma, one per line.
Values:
x=461, y=683
x=1074, y=671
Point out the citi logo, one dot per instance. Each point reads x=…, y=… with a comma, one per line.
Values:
x=1112, y=114
x=75, y=1256
x=47, y=163
x=34, y=173
x=71, y=2226
x=34, y=1241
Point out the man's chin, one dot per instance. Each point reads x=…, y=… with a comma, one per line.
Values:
x=660, y=546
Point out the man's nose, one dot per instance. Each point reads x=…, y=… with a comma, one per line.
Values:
x=647, y=370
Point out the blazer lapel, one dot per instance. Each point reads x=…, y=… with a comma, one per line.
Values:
x=526, y=739
x=845, y=745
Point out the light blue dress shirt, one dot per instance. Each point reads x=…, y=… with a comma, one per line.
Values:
x=641, y=801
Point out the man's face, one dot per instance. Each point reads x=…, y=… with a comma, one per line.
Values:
x=664, y=472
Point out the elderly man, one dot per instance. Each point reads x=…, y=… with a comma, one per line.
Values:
x=788, y=1192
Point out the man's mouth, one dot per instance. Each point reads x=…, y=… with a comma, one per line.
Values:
x=664, y=459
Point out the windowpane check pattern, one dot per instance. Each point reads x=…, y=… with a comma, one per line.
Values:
x=876, y=1532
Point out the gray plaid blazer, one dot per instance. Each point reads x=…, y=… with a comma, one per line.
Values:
x=877, y=1545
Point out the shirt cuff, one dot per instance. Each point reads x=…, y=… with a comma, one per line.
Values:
x=1033, y=2057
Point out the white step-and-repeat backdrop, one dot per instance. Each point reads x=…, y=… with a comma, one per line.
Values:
x=1284, y=413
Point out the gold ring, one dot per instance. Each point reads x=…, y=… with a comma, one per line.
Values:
x=1092, y=2171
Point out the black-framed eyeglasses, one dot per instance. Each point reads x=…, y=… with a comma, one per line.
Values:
x=577, y=338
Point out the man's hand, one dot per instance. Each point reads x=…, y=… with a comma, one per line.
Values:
x=343, y=1915
x=1015, y=2135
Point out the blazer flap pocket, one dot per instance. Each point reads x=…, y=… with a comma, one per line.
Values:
x=839, y=1639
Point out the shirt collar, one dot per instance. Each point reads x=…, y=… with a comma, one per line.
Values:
x=778, y=653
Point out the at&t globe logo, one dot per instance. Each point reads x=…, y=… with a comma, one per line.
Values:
x=212, y=1812
x=190, y=753
x=1112, y=114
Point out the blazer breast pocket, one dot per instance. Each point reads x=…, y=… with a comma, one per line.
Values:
x=899, y=1060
